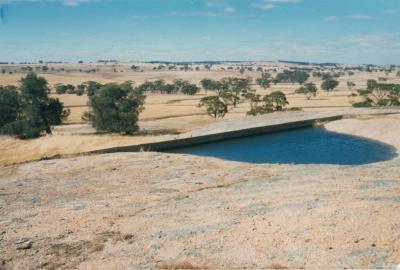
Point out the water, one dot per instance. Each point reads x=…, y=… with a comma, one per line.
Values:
x=303, y=146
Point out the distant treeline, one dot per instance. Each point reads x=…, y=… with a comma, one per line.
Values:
x=158, y=86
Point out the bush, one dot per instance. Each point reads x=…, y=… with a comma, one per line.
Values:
x=116, y=108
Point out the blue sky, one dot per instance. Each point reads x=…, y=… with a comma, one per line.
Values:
x=345, y=31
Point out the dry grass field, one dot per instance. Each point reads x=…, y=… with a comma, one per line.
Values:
x=164, y=115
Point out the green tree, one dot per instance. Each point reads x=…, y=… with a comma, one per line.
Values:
x=289, y=76
x=9, y=105
x=38, y=113
x=329, y=85
x=308, y=89
x=264, y=81
x=116, y=108
x=92, y=87
x=252, y=97
x=60, y=88
x=190, y=89
x=80, y=89
x=233, y=88
x=209, y=84
x=350, y=85
x=70, y=89
x=276, y=101
x=208, y=67
x=135, y=68
x=214, y=106
x=372, y=84
x=379, y=95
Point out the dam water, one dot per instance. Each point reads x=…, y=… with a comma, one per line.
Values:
x=302, y=146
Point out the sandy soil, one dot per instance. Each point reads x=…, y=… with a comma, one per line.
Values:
x=143, y=210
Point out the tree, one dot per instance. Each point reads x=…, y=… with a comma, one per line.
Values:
x=232, y=88
x=276, y=101
x=264, y=81
x=214, y=106
x=116, y=108
x=371, y=84
x=309, y=89
x=60, y=88
x=190, y=89
x=379, y=95
x=208, y=67
x=295, y=76
x=252, y=97
x=329, y=85
x=209, y=84
x=70, y=89
x=9, y=105
x=92, y=87
x=80, y=89
x=350, y=85
x=37, y=113
x=135, y=68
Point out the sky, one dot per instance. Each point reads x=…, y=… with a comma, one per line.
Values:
x=340, y=31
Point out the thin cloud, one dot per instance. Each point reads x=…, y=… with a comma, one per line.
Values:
x=230, y=10
x=331, y=18
x=71, y=3
x=351, y=17
x=270, y=4
x=358, y=17
x=392, y=11
x=195, y=14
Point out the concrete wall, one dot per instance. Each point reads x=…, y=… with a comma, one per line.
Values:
x=178, y=143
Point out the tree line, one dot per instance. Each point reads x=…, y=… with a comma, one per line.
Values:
x=158, y=86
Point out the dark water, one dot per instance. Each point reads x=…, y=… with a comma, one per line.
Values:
x=304, y=146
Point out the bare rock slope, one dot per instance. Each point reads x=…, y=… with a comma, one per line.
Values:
x=135, y=210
